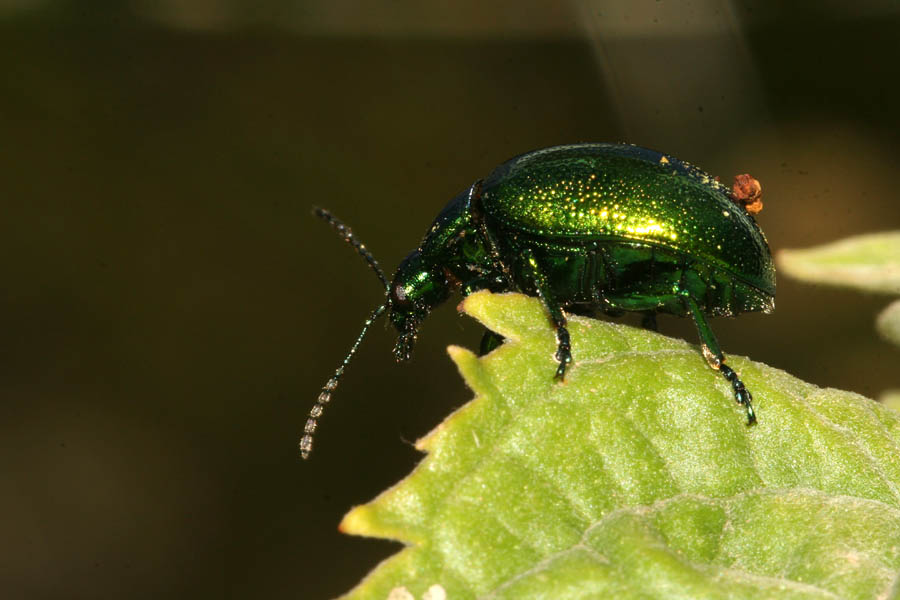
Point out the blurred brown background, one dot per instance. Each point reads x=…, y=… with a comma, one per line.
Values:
x=170, y=307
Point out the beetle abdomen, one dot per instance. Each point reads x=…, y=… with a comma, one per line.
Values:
x=635, y=276
x=617, y=194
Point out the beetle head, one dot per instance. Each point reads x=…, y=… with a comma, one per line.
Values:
x=418, y=286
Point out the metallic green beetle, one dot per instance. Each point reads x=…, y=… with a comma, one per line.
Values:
x=585, y=227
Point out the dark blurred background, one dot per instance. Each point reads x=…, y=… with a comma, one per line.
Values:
x=170, y=308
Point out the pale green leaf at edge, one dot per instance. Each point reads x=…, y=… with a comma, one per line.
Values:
x=638, y=478
x=868, y=262
x=891, y=399
x=888, y=323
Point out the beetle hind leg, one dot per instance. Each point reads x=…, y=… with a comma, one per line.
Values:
x=716, y=359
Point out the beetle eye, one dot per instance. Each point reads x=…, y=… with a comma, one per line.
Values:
x=398, y=295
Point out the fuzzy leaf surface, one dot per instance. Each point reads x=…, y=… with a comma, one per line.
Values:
x=637, y=477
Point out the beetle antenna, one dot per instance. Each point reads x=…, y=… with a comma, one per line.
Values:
x=306, y=442
x=344, y=231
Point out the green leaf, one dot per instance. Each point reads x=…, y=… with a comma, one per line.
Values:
x=888, y=322
x=891, y=399
x=868, y=262
x=637, y=477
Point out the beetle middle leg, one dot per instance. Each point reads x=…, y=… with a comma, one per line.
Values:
x=716, y=359
x=648, y=321
x=563, y=343
x=490, y=341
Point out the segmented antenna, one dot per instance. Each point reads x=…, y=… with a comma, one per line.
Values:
x=306, y=442
x=345, y=232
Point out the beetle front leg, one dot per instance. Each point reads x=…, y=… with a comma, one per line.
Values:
x=557, y=316
x=489, y=342
x=716, y=358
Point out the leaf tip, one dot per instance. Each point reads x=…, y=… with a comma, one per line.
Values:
x=512, y=315
x=359, y=521
x=469, y=366
x=473, y=304
x=458, y=353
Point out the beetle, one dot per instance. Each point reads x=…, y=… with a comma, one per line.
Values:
x=585, y=227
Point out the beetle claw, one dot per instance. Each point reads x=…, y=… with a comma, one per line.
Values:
x=560, y=372
x=743, y=396
x=564, y=356
x=751, y=416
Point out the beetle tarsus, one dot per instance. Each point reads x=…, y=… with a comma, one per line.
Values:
x=751, y=414
x=563, y=352
x=560, y=371
x=741, y=393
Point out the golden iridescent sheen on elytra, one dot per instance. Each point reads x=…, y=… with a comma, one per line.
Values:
x=620, y=192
